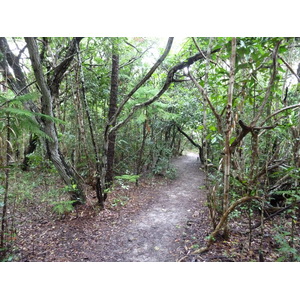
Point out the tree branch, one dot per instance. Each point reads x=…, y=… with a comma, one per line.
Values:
x=224, y=217
x=290, y=68
x=146, y=77
x=60, y=70
x=205, y=96
x=169, y=80
x=280, y=111
x=270, y=85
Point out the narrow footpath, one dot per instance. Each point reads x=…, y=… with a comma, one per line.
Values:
x=150, y=228
x=154, y=233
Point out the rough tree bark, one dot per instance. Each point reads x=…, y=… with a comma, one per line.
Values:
x=52, y=146
x=33, y=140
x=17, y=80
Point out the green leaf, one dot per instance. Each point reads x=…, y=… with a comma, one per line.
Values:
x=232, y=140
x=141, y=118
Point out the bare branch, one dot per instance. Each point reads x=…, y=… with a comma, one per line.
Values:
x=280, y=111
x=169, y=80
x=146, y=77
x=290, y=68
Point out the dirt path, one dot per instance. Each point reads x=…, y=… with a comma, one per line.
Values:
x=154, y=232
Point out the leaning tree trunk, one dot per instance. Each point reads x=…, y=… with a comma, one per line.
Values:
x=200, y=149
x=52, y=146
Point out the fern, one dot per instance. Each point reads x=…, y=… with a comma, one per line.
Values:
x=16, y=100
x=22, y=119
x=17, y=111
x=64, y=207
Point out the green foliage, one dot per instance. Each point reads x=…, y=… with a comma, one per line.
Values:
x=163, y=167
x=21, y=119
x=35, y=158
x=119, y=201
x=170, y=173
x=127, y=177
x=62, y=207
x=70, y=188
x=285, y=250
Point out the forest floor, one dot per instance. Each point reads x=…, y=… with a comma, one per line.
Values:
x=160, y=220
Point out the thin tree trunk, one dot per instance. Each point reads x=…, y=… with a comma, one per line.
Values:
x=223, y=221
x=52, y=146
x=4, y=209
x=141, y=150
x=81, y=145
x=99, y=184
x=205, y=129
x=200, y=149
x=227, y=156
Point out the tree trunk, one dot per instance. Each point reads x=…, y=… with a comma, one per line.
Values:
x=52, y=146
x=227, y=155
x=5, y=200
x=141, y=150
x=201, y=157
x=110, y=138
x=29, y=149
x=99, y=180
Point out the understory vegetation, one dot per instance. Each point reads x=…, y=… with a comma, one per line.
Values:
x=84, y=120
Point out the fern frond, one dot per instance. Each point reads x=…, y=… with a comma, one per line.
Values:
x=53, y=119
x=16, y=111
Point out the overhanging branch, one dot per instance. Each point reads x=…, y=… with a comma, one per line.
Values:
x=170, y=78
